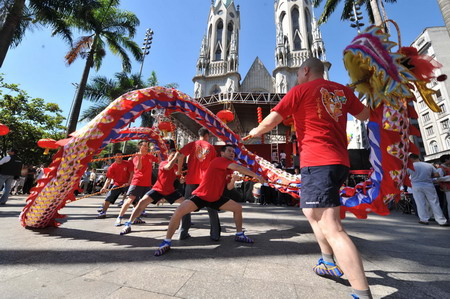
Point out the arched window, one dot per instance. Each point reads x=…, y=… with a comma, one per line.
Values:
x=283, y=14
x=209, y=34
x=434, y=147
x=229, y=34
x=447, y=142
x=308, y=26
x=218, y=53
x=218, y=45
x=296, y=28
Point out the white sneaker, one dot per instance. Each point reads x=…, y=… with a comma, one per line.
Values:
x=118, y=221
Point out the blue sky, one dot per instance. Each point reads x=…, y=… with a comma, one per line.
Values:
x=37, y=64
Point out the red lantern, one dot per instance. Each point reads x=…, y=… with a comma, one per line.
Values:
x=3, y=129
x=225, y=115
x=259, y=113
x=165, y=126
x=48, y=144
x=260, y=119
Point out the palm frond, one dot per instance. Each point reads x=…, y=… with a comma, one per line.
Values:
x=115, y=47
x=328, y=9
x=24, y=24
x=83, y=43
x=92, y=112
x=123, y=23
x=98, y=90
x=99, y=52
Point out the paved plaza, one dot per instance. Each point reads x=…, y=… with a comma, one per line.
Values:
x=87, y=258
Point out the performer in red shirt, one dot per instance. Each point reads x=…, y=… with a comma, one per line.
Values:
x=200, y=153
x=120, y=173
x=209, y=194
x=319, y=109
x=142, y=178
x=162, y=190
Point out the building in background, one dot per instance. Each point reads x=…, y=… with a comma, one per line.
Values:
x=297, y=38
x=218, y=84
x=435, y=127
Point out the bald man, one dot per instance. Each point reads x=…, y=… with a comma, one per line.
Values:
x=319, y=108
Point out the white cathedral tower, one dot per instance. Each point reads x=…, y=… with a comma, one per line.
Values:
x=298, y=37
x=217, y=65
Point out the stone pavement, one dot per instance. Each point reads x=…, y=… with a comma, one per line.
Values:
x=87, y=258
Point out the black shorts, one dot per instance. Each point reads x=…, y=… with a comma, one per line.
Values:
x=170, y=198
x=321, y=184
x=200, y=203
x=137, y=191
x=114, y=194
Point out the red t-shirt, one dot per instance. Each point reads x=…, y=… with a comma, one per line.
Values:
x=319, y=109
x=216, y=177
x=143, y=177
x=166, y=178
x=200, y=153
x=120, y=173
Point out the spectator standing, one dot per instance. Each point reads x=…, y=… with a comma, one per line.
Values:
x=424, y=190
x=444, y=172
x=10, y=168
x=29, y=180
x=92, y=178
x=283, y=159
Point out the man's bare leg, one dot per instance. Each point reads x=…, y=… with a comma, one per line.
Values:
x=330, y=226
x=123, y=209
x=236, y=208
x=184, y=208
x=321, y=240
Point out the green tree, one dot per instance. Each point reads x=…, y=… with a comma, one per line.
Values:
x=330, y=6
x=103, y=91
x=16, y=16
x=105, y=25
x=29, y=119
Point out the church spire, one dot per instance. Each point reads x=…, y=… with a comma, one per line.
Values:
x=225, y=2
x=298, y=38
x=218, y=59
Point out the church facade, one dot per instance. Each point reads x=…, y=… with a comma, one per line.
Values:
x=297, y=38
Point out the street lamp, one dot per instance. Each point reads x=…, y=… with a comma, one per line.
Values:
x=146, y=47
x=145, y=51
x=357, y=16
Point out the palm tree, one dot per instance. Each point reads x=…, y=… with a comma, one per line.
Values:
x=16, y=16
x=372, y=7
x=445, y=9
x=105, y=25
x=103, y=91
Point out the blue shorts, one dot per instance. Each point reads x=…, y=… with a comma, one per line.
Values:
x=200, y=203
x=321, y=185
x=137, y=191
x=170, y=198
x=114, y=194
